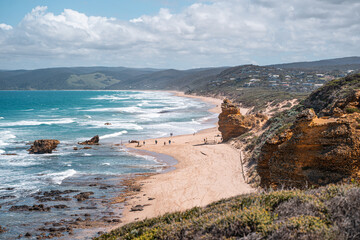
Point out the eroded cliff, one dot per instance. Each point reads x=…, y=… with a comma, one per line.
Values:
x=233, y=124
x=321, y=146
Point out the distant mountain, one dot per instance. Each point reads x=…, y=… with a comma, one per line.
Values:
x=328, y=64
x=113, y=78
x=96, y=78
x=68, y=78
x=170, y=79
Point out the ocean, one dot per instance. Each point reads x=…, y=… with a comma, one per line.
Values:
x=70, y=117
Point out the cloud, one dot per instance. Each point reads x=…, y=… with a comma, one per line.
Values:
x=4, y=26
x=207, y=33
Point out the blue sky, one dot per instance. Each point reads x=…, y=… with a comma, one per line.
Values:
x=13, y=11
x=180, y=34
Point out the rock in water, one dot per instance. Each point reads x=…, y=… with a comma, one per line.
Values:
x=43, y=146
x=92, y=141
x=2, y=229
x=232, y=123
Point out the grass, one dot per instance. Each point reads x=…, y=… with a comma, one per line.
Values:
x=251, y=97
x=330, y=212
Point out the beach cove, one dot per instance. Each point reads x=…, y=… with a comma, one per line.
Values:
x=39, y=192
x=205, y=172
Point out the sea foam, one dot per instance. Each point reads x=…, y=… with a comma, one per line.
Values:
x=57, y=178
x=37, y=123
x=113, y=135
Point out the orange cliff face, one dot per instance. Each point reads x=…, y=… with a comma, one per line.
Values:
x=233, y=124
x=313, y=151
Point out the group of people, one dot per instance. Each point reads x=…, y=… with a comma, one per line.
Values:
x=156, y=141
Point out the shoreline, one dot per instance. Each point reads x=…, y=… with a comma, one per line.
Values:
x=204, y=173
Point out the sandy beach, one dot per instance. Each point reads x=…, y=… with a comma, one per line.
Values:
x=205, y=173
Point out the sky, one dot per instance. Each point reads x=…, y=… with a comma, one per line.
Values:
x=180, y=34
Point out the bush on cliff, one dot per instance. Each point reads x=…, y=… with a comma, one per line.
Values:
x=331, y=212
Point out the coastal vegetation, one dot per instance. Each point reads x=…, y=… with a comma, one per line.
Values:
x=330, y=212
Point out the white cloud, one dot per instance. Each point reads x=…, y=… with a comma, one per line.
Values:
x=207, y=33
x=4, y=26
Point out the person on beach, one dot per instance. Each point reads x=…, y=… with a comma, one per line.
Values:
x=143, y=142
x=164, y=143
x=169, y=142
x=155, y=141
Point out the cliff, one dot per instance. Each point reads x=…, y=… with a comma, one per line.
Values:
x=322, y=145
x=233, y=124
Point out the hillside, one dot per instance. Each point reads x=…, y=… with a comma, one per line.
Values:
x=67, y=78
x=329, y=64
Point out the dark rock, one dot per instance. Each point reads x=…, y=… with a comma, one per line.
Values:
x=27, y=234
x=151, y=198
x=107, y=124
x=88, y=208
x=39, y=207
x=70, y=191
x=75, y=148
x=7, y=197
x=53, y=195
x=9, y=154
x=61, y=206
x=43, y=146
x=83, y=196
x=137, y=208
x=2, y=229
x=92, y=141
x=87, y=148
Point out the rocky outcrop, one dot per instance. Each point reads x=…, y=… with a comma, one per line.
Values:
x=43, y=146
x=232, y=123
x=312, y=152
x=321, y=145
x=92, y=141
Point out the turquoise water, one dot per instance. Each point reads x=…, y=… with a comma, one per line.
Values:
x=73, y=116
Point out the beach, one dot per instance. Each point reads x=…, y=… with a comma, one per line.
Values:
x=205, y=172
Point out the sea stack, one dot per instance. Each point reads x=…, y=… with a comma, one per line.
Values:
x=232, y=123
x=92, y=141
x=43, y=146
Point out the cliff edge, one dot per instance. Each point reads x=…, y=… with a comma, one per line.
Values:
x=233, y=124
x=322, y=145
